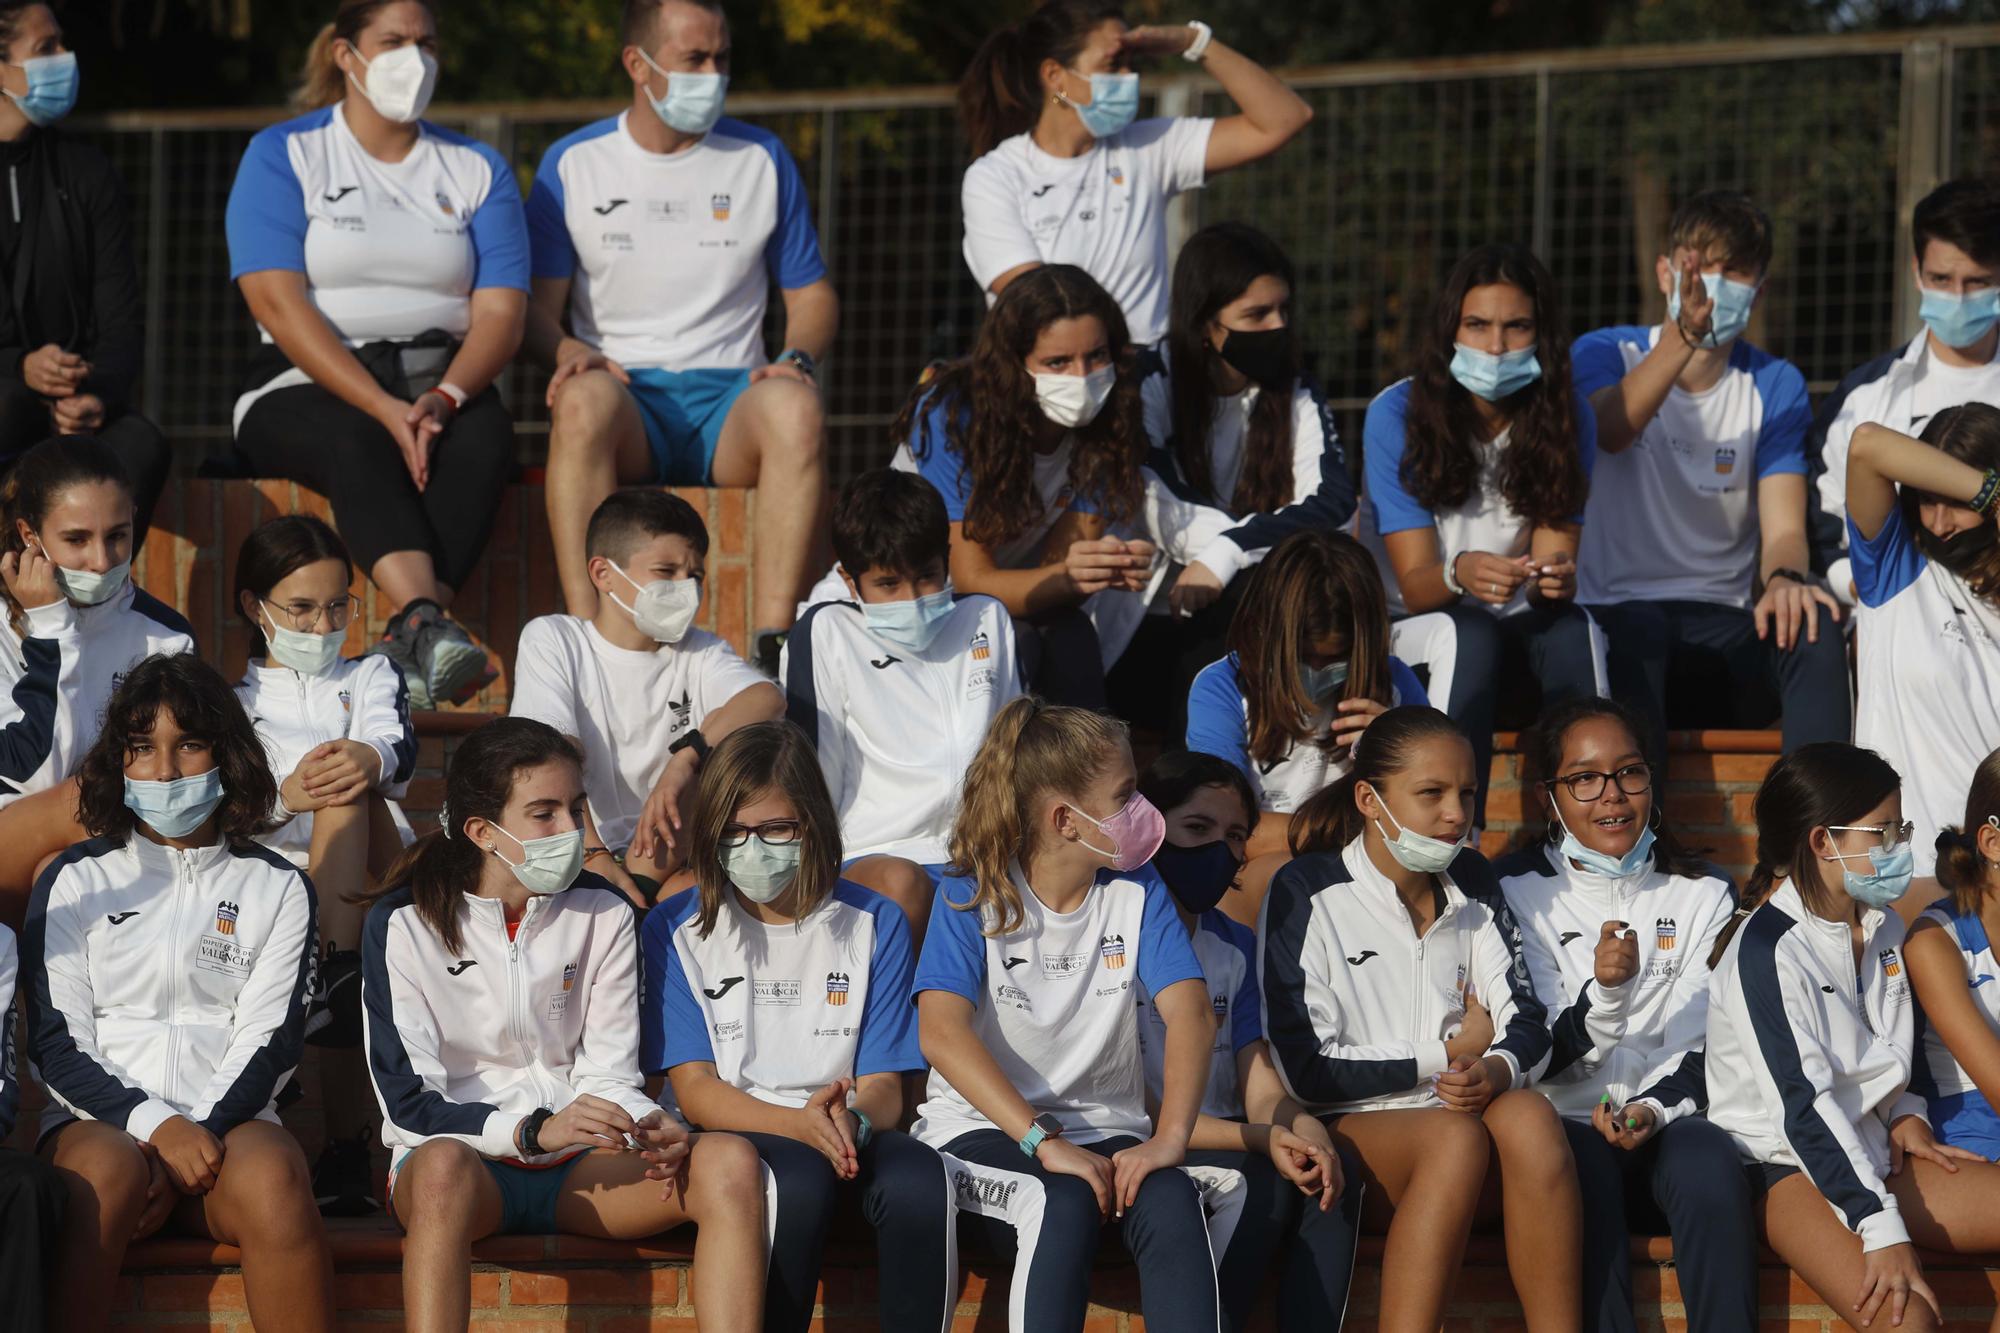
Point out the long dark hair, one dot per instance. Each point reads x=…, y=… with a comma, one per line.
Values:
x=1001, y=93
x=34, y=485
x=1330, y=819
x=1541, y=475
x=202, y=706
x=443, y=866
x=1961, y=870
x=1216, y=266
x=1312, y=585
x=763, y=756
x=275, y=551
x=1971, y=434
x=1541, y=761
x=992, y=412
x=1827, y=782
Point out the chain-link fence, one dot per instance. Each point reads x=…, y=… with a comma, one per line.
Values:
x=1404, y=168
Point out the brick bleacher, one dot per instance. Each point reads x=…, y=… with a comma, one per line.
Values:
x=545, y=1284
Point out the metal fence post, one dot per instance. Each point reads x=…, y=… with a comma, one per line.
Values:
x=1922, y=155
x=1178, y=99
x=1539, y=238
x=153, y=398
x=829, y=181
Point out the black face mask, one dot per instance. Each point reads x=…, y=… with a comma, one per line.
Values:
x=1197, y=876
x=1961, y=551
x=1265, y=355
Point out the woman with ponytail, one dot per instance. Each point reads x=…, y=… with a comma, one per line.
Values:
x=1811, y=1044
x=1049, y=918
x=1398, y=1009
x=500, y=983
x=1063, y=174
x=374, y=384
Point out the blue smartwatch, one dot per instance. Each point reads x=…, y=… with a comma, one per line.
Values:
x=1043, y=1126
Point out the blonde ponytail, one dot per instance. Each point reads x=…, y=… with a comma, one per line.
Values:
x=321, y=83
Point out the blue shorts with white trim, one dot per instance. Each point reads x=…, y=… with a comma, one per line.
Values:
x=1967, y=1120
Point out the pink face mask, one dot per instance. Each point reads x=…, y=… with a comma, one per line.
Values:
x=1136, y=832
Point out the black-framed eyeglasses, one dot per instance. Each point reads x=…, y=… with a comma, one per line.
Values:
x=1892, y=835
x=1585, y=787
x=776, y=833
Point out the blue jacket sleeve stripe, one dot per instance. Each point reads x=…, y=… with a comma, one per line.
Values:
x=1688, y=1083
x=1571, y=1040
x=1527, y=1037
x=258, y=1082
x=69, y=1073
x=1819, y=1151
x=1326, y=509
x=801, y=697
x=404, y=749
x=407, y=1102
x=25, y=743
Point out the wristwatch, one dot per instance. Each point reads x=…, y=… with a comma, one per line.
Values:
x=864, y=1128
x=1198, y=48
x=1803, y=580
x=1043, y=1126
x=802, y=360
x=531, y=1132
x=695, y=741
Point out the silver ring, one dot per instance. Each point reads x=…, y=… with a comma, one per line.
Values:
x=1493, y=588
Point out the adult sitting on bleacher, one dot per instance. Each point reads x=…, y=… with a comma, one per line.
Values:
x=71, y=324
x=658, y=234
x=386, y=263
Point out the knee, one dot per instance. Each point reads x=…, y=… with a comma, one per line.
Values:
x=791, y=421
x=1168, y=1195
x=906, y=884
x=585, y=405
x=1456, y=1146
x=724, y=1170
x=114, y=1174
x=275, y=1186
x=1477, y=641
x=438, y=1185
x=1529, y=1136
x=1069, y=1208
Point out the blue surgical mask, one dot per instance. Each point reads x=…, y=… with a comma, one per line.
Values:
x=693, y=102
x=547, y=865
x=1732, y=306
x=1960, y=321
x=911, y=624
x=177, y=808
x=1603, y=863
x=1494, y=377
x=760, y=871
x=1417, y=851
x=1886, y=882
x=1114, y=101
x=52, y=85
x=1323, y=682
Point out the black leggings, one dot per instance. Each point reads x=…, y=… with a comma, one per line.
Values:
x=32, y=1202
x=148, y=458
x=904, y=1196
x=1318, y=1247
x=307, y=435
x=1060, y=658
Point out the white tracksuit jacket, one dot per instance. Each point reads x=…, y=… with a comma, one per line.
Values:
x=1639, y=1042
x=360, y=698
x=464, y=1045
x=164, y=982
x=1357, y=1008
x=1809, y=1061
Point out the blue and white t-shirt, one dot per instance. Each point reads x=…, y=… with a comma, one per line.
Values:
x=1052, y=1002
x=1227, y=951
x=1485, y=522
x=1673, y=517
x=671, y=256
x=1943, y=1075
x=1218, y=723
x=929, y=453
x=389, y=249
x=1927, y=671
x=780, y=1010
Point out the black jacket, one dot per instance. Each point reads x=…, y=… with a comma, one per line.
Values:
x=67, y=270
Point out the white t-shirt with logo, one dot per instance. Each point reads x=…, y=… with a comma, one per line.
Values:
x=625, y=706
x=1105, y=211
x=1053, y=1001
x=671, y=256
x=1227, y=951
x=1673, y=517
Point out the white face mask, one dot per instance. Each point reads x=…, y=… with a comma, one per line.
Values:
x=308, y=654
x=1075, y=400
x=87, y=587
x=665, y=607
x=399, y=83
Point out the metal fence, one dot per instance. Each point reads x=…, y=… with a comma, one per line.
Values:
x=1404, y=167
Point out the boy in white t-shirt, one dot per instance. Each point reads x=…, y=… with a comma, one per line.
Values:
x=897, y=688
x=636, y=686
x=1695, y=551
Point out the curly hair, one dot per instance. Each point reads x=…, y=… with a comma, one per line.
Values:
x=203, y=707
x=1541, y=476
x=991, y=412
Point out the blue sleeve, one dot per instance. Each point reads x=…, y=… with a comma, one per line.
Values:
x=1595, y=361
x=1781, y=436
x=551, y=252
x=1326, y=509
x=937, y=462
x=1396, y=510
x=1216, y=722
x=1165, y=954
x=499, y=230
x=954, y=957
x=672, y=1030
x=266, y=219
x=888, y=1042
x=792, y=254
x=1885, y=564
x=1409, y=690
x=1246, y=1020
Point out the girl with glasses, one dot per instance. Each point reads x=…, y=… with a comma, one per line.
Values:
x=778, y=1006
x=337, y=733
x=1617, y=922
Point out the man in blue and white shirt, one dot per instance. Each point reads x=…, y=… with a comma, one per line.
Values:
x=656, y=236
x=1696, y=574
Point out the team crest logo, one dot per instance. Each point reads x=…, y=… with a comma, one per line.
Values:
x=1117, y=175
x=569, y=975
x=1725, y=462
x=837, y=984
x=347, y=701
x=1113, y=949
x=1891, y=965
x=225, y=918
x=445, y=206
x=982, y=647
x=718, y=207
x=1665, y=933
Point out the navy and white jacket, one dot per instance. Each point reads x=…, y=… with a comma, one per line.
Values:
x=1809, y=1060
x=10, y=1076
x=58, y=679
x=465, y=1045
x=1358, y=1008
x=163, y=982
x=1639, y=1042
x=360, y=699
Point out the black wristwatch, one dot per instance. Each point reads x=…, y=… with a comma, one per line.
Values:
x=695, y=741
x=531, y=1133
x=1803, y=580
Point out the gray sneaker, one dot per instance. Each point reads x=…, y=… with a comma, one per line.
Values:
x=398, y=651
x=445, y=665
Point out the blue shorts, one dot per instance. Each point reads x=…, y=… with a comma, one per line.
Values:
x=683, y=411
x=527, y=1193
x=1967, y=1120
